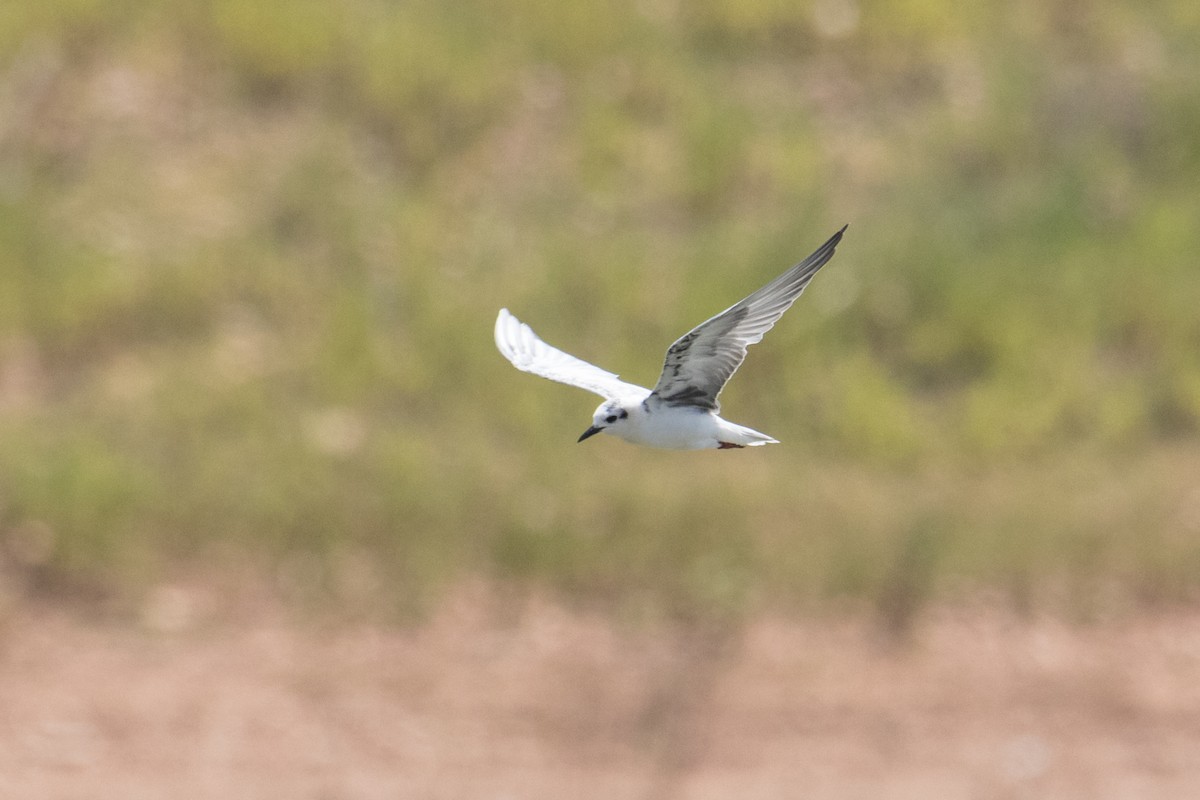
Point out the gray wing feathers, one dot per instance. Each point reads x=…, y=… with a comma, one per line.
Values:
x=519, y=344
x=699, y=364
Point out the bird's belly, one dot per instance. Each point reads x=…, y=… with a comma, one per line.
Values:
x=676, y=429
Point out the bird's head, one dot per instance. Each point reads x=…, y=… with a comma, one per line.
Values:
x=610, y=414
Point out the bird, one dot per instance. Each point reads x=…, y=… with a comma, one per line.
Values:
x=681, y=412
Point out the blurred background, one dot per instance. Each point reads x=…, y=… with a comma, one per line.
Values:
x=251, y=254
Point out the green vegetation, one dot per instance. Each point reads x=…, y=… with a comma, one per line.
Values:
x=251, y=253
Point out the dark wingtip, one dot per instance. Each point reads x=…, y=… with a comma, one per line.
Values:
x=825, y=251
x=834, y=240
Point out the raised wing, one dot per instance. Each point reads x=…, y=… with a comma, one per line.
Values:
x=700, y=363
x=520, y=345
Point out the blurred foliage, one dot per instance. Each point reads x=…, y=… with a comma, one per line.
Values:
x=251, y=252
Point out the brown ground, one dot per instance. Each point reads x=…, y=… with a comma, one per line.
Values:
x=550, y=703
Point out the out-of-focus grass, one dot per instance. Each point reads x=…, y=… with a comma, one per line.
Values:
x=250, y=255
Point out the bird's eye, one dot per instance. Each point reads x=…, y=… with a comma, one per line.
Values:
x=610, y=419
x=624, y=413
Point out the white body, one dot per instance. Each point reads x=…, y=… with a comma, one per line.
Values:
x=675, y=428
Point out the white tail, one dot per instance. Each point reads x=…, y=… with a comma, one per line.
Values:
x=743, y=436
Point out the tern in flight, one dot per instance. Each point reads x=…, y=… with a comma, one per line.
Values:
x=681, y=412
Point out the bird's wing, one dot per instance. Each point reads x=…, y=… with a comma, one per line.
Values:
x=520, y=345
x=700, y=363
